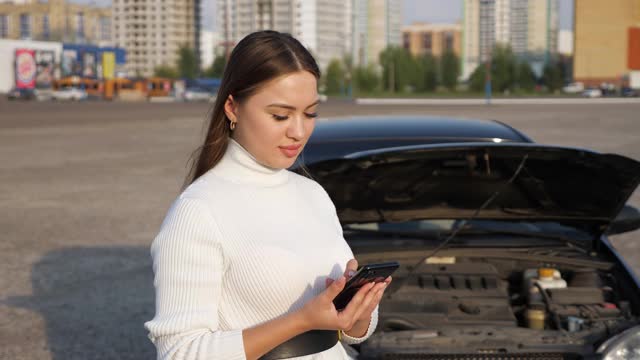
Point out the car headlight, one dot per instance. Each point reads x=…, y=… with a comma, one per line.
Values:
x=624, y=346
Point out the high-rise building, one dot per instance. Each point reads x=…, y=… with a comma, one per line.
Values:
x=607, y=42
x=209, y=43
x=434, y=39
x=529, y=27
x=565, y=42
x=330, y=29
x=323, y=26
x=377, y=24
x=152, y=31
x=55, y=20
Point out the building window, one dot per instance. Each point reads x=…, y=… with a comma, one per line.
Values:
x=80, y=25
x=46, y=31
x=448, y=41
x=4, y=26
x=427, y=41
x=405, y=40
x=25, y=26
x=105, y=28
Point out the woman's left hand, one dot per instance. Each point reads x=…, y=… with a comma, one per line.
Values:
x=351, y=268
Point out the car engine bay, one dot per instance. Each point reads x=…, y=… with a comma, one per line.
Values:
x=557, y=303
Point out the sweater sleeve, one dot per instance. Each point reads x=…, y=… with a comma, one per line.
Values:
x=372, y=327
x=188, y=265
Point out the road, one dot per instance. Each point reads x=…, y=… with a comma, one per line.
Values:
x=84, y=188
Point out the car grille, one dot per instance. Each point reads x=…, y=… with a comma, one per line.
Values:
x=530, y=356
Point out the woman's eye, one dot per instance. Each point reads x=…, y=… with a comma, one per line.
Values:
x=313, y=115
x=278, y=117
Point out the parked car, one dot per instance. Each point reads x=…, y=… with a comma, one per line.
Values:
x=21, y=94
x=43, y=94
x=592, y=93
x=197, y=94
x=608, y=89
x=573, y=88
x=69, y=93
x=629, y=92
x=503, y=242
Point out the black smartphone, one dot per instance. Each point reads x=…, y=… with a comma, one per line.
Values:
x=366, y=273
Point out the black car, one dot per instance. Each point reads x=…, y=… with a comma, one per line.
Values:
x=629, y=92
x=21, y=94
x=502, y=242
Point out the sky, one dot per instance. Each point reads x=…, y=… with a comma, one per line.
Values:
x=448, y=11
x=434, y=11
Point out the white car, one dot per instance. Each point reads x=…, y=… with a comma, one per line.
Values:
x=573, y=88
x=70, y=93
x=43, y=94
x=196, y=94
x=592, y=93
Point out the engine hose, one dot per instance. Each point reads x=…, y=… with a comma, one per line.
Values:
x=547, y=302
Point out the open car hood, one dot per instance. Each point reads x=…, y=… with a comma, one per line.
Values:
x=451, y=181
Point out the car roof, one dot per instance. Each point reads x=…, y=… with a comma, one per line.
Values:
x=427, y=128
x=337, y=137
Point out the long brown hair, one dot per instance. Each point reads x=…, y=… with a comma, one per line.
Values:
x=259, y=57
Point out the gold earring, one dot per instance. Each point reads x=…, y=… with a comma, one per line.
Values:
x=232, y=125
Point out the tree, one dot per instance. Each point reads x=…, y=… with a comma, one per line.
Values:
x=399, y=69
x=165, y=71
x=430, y=73
x=187, y=63
x=347, y=63
x=366, y=79
x=503, y=69
x=334, y=78
x=552, y=76
x=450, y=70
x=526, y=77
x=217, y=67
x=478, y=78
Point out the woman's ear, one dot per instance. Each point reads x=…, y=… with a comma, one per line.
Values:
x=231, y=108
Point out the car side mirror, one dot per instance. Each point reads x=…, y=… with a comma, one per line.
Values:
x=627, y=220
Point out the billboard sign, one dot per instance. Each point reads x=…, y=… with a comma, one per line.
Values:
x=25, y=67
x=108, y=64
x=44, y=68
x=69, y=64
x=89, y=64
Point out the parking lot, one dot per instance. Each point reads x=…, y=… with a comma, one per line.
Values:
x=84, y=188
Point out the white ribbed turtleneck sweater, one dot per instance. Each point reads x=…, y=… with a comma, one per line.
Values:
x=242, y=245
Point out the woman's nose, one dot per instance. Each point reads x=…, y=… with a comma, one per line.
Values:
x=296, y=128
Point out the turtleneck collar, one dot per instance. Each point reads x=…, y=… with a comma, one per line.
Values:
x=239, y=166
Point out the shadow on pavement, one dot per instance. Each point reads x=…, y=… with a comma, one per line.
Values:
x=94, y=302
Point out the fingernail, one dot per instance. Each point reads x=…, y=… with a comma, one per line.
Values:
x=351, y=273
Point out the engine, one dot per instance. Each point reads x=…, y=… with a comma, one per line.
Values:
x=498, y=306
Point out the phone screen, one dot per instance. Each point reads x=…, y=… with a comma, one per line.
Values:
x=367, y=273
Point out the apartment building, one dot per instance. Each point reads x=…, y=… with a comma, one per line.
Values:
x=152, y=31
x=529, y=27
x=55, y=20
x=433, y=39
x=607, y=42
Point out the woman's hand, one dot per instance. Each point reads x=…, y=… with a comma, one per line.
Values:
x=320, y=313
x=351, y=268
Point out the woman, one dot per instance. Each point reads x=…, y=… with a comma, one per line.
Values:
x=245, y=257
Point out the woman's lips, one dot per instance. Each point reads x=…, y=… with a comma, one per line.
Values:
x=290, y=151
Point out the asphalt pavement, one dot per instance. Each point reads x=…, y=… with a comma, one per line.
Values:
x=85, y=186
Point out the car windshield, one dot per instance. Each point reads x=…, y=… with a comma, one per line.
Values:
x=439, y=227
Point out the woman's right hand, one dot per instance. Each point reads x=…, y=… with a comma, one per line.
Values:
x=320, y=313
